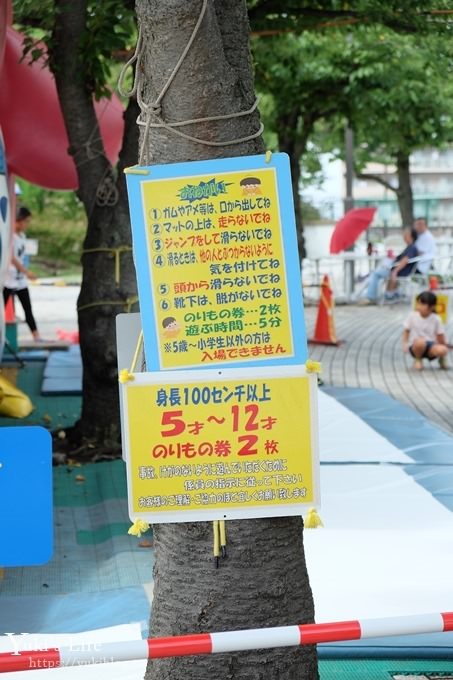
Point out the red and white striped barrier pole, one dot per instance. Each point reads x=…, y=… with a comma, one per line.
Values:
x=216, y=643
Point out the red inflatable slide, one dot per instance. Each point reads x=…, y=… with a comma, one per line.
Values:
x=35, y=138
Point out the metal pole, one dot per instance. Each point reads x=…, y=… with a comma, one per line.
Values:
x=349, y=160
x=349, y=204
x=219, y=643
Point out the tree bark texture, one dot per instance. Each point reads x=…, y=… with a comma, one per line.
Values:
x=264, y=581
x=404, y=191
x=108, y=226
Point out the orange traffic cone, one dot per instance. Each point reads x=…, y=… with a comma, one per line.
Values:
x=10, y=316
x=325, y=325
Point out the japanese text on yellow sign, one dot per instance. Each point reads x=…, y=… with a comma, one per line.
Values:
x=218, y=269
x=221, y=446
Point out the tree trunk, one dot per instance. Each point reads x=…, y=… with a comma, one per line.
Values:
x=264, y=580
x=262, y=583
x=291, y=142
x=105, y=200
x=404, y=191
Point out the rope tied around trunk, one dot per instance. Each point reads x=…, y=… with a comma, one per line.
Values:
x=107, y=193
x=116, y=253
x=127, y=303
x=151, y=113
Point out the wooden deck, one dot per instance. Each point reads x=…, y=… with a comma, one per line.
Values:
x=371, y=356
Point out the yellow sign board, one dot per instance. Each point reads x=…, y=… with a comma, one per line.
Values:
x=220, y=444
x=218, y=271
x=217, y=263
x=442, y=306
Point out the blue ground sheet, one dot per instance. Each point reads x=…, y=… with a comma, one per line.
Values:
x=96, y=576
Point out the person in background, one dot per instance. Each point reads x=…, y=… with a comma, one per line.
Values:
x=400, y=266
x=425, y=244
x=424, y=335
x=403, y=265
x=16, y=282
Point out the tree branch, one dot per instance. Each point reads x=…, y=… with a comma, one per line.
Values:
x=261, y=10
x=275, y=7
x=338, y=23
x=334, y=18
x=377, y=178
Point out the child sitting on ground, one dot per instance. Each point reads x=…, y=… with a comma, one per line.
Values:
x=424, y=335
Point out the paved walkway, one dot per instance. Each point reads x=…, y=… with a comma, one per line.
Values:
x=371, y=356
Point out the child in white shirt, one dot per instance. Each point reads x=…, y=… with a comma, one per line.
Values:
x=424, y=335
x=16, y=283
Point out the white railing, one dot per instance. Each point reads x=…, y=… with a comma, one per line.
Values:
x=348, y=271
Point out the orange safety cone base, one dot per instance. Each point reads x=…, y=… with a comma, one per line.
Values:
x=315, y=341
x=10, y=316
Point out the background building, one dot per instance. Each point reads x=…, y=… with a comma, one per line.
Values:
x=432, y=186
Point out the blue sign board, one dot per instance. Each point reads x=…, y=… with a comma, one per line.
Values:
x=26, y=517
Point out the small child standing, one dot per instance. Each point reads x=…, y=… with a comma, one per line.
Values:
x=424, y=335
x=17, y=276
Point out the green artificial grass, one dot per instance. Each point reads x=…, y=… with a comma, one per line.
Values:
x=385, y=669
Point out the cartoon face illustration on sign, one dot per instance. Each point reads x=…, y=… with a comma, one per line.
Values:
x=251, y=186
x=171, y=327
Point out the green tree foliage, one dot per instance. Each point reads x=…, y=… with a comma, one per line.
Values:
x=395, y=89
x=399, y=90
x=59, y=224
x=300, y=68
x=110, y=30
x=305, y=78
x=398, y=98
x=409, y=107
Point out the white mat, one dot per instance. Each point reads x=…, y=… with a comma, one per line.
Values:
x=387, y=545
x=344, y=437
x=386, y=549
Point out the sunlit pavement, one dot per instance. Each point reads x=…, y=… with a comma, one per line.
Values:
x=371, y=356
x=54, y=308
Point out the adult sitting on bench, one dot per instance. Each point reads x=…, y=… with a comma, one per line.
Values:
x=426, y=246
x=401, y=266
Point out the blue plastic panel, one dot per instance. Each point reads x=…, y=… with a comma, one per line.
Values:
x=26, y=517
